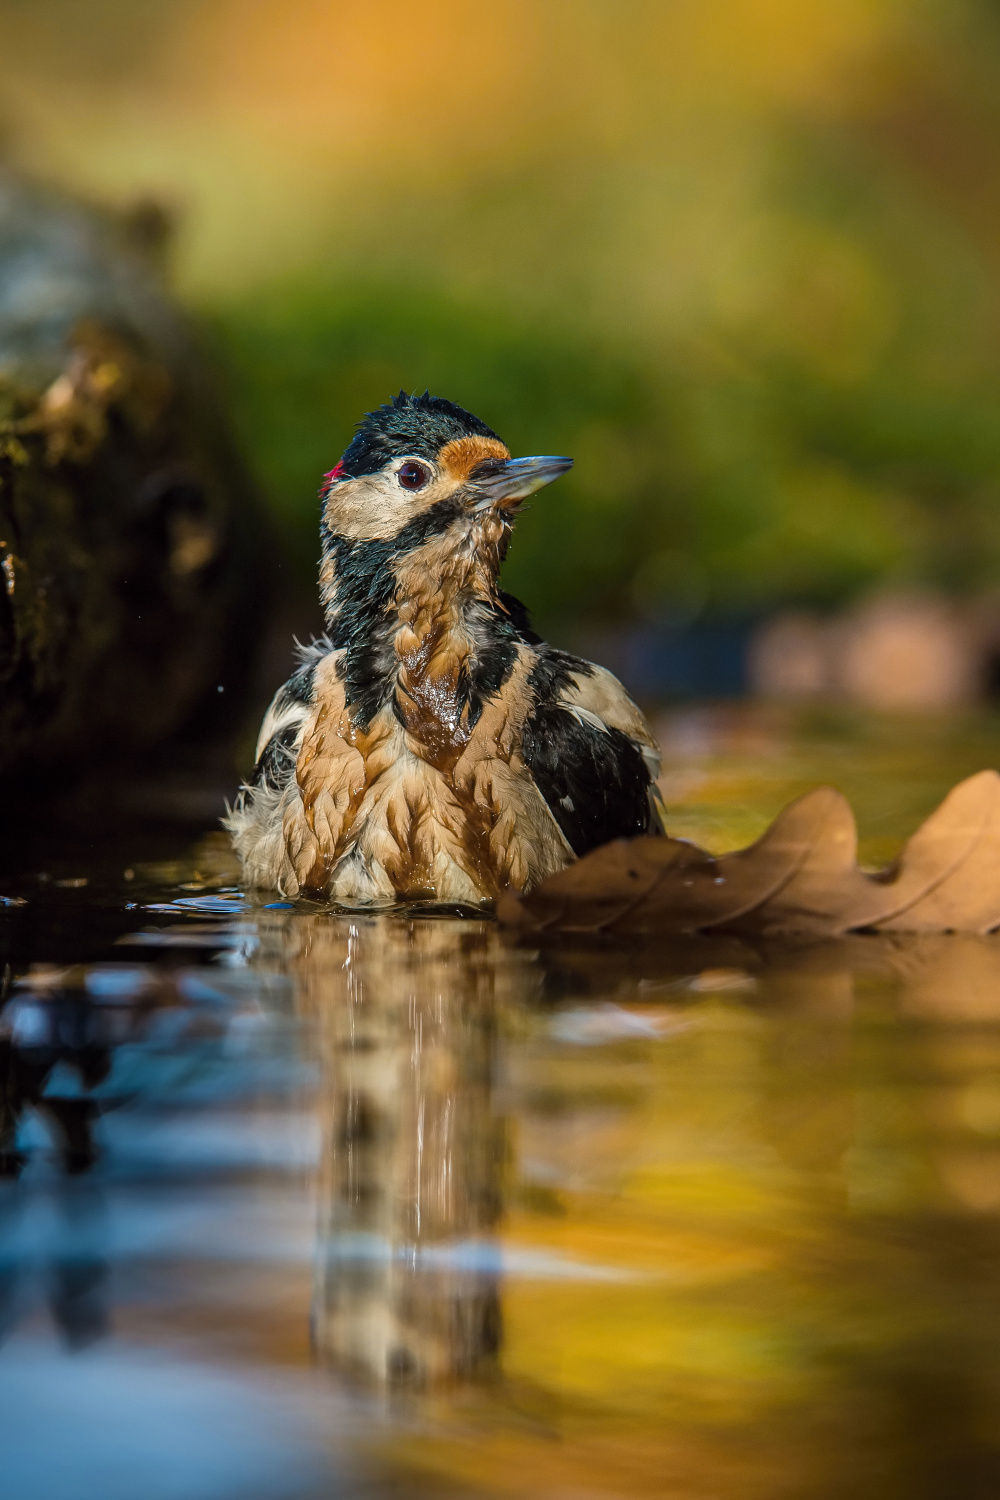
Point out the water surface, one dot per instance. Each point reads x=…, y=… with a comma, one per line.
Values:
x=299, y=1203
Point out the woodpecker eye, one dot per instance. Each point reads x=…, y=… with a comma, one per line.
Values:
x=413, y=476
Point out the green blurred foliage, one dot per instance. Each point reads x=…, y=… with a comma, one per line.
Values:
x=306, y=360
x=725, y=472
x=740, y=258
x=770, y=343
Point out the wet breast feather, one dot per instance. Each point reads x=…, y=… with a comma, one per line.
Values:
x=382, y=817
x=331, y=778
x=524, y=843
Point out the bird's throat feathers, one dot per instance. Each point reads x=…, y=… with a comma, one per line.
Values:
x=421, y=622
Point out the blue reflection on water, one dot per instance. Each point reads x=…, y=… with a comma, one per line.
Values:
x=156, y=1123
x=132, y=1423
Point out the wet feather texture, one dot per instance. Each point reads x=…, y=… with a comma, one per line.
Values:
x=432, y=746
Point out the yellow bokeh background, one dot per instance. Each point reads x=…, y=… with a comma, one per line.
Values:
x=739, y=257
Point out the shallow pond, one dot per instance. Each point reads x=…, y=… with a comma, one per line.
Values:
x=299, y=1204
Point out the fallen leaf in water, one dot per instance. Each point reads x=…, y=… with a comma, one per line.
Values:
x=800, y=878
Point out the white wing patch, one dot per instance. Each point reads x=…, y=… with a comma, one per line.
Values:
x=600, y=701
x=584, y=716
x=275, y=719
x=280, y=714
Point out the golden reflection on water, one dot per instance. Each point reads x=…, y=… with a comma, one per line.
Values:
x=705, y=1220
x=457, y=1216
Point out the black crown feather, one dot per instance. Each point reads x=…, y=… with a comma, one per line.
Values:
x=420, y=425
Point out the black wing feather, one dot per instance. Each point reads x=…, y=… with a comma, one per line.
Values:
x=594, y=781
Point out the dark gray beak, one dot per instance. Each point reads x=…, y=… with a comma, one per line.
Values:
x=507, y=483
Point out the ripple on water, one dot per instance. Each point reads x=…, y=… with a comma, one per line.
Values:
x=703, y=1218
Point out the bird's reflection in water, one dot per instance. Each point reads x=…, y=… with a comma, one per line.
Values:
x=414, y=1146
x=747, y=1198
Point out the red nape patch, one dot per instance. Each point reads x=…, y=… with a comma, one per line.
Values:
x=334, y=474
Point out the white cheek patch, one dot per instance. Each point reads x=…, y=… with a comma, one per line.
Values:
x=363, y=509
x=375, y=507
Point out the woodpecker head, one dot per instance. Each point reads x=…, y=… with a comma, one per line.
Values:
x=423, y=498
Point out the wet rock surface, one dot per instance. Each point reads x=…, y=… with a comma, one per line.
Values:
x=131, y=542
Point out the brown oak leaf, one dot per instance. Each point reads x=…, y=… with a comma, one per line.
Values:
x=801, y=878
